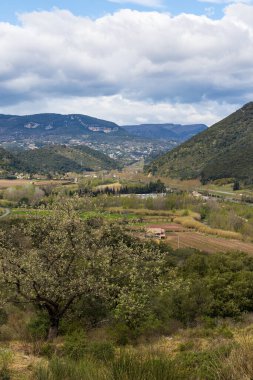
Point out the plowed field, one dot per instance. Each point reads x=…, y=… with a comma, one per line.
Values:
x=207, y=243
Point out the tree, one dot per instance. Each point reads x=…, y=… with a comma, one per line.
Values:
x=236, y=185
x=55, y=259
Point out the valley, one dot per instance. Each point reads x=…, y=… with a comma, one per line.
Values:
x=126, y=190
x=109, y=263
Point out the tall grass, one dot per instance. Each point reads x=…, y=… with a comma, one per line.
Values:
x=6, y=358
x=125, y=366
x=66, y=369
x=190, y=222
x=239, y=364
x=132, y=365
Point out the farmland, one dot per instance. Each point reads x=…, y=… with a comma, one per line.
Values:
x=5, y=183
x=207, y=243
x=178, y=236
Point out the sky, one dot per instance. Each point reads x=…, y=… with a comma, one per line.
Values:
x=131, y=62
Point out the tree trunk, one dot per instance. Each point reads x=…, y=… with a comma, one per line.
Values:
x=53, y=329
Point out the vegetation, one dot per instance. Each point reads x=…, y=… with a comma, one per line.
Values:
x=149, y=188
x=174, y=132
x=62, y=159
x=194, y=223
x=51, y=125
x=222, y=151
x=85, y=295
x=56, y=259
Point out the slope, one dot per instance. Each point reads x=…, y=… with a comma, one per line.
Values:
x=223, y=150
x=50, y=126
x=176, y=132
x=60, y=159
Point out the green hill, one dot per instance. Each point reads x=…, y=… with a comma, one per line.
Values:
x=8, y=161
x=55, y=158
x=224, y=150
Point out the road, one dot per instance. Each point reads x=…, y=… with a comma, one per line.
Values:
x=6, y=213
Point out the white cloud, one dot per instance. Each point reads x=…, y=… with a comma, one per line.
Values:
x=128, y=64
x=145, y=3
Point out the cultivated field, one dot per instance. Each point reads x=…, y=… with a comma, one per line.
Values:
x=207, y=243
x=5, y=183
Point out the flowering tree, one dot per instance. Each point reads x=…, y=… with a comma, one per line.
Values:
x=54, y=259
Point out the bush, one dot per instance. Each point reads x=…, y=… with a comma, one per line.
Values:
x=38, y=326
x=121, y=333
x=3, y=317
x=75, y=345
x=47, y=350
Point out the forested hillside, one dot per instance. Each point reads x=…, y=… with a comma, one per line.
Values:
x=222, y=151
x=59, y=158
x=176, y=132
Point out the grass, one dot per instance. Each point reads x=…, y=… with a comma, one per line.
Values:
x=188, y=363
x=62, y=369
x=238, y=365
x=141, y=212
x=192, y=223
x=206, y=352
x=126, y=366
x=28, y=212
x=107, y=215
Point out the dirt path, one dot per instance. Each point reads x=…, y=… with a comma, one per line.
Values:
x=6, y=213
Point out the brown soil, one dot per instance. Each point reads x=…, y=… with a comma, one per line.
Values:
x=210, y=244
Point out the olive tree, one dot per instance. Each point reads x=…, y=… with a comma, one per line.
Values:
x=55, y=259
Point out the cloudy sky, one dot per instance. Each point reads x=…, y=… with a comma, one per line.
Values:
x=127, y=61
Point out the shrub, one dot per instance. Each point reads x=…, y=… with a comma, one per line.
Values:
x=38, y=326
x=121, y=333
x=3, y=317
x=75, y=345
x=47, y=350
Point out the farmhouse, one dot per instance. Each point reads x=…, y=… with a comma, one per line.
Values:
x=158, y=233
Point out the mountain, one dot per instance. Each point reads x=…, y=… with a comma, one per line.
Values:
x=56, y=159
x=176, y=132
x=224, y=150
x=50, y=127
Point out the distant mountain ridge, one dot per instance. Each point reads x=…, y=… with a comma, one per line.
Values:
x=177, y=132
x=224, y=150
x=50, y=125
